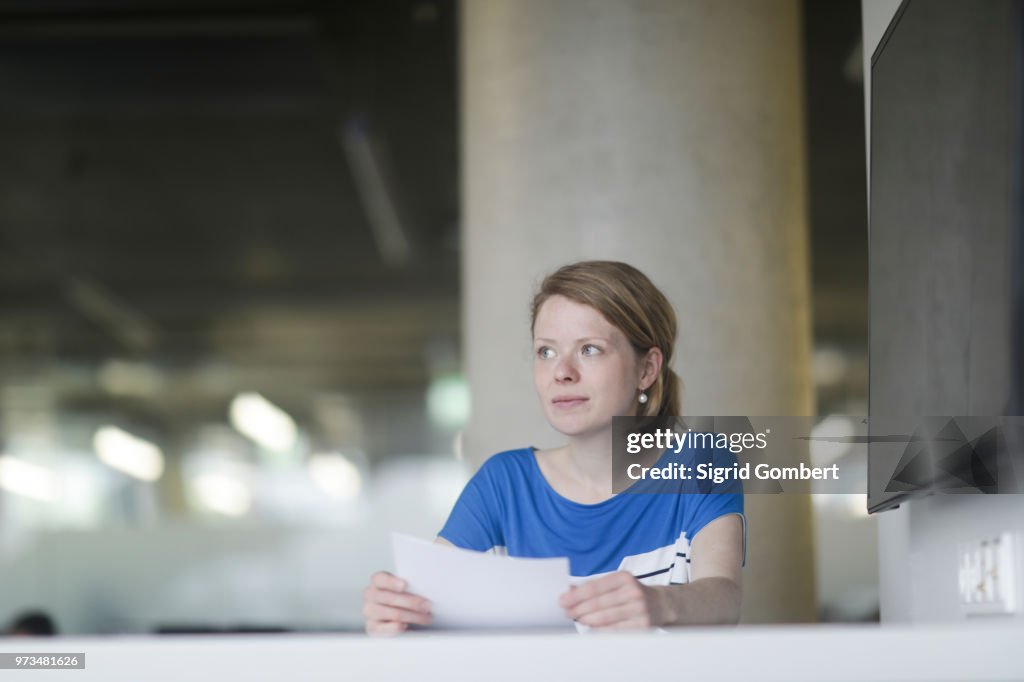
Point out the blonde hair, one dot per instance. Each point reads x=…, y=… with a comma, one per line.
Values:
x=629, y=301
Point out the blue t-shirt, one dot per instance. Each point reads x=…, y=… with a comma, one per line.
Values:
x=508, y=507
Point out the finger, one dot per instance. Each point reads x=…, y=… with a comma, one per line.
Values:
x=386, y=628
x=402, y=600
x=376, y=612
x=379, y=612
x=627, y=615
x=593, y=588
x=586, y=591
x=598, y=604
x=623, y=595
x=386, y=581
x=635, y=623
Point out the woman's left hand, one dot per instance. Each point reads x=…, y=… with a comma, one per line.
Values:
x=616, y=600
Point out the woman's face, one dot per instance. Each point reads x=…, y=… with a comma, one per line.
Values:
x=584, y=369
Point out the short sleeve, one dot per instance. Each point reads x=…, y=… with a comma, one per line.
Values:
x=716, y=499
x=710, y=506
x=474, y=521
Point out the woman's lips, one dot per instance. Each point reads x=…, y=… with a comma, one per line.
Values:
x=569, y=401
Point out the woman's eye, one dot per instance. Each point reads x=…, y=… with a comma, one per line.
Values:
x=590, y=349
x=545, y=353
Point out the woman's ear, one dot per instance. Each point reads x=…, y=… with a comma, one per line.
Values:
x=651, y=366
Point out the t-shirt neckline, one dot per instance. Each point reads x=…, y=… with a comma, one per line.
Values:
x=546, y=484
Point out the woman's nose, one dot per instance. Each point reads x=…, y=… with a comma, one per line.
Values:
x=565, y=371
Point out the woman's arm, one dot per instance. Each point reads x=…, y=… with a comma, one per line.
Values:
x=711, y=597
x=714, y=592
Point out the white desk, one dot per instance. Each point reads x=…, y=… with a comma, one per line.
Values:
x=973, y=652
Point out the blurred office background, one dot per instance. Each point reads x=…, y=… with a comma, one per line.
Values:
x=233, y=302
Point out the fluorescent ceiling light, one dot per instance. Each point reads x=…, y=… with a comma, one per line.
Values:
x=376, y=194
x=448, y=401
x=113, y=314
x=129, y=454
x=123, y=378
x=841, y=429
x=336, y=475
x=27, y=479
x=222, y=493
x=264, y=422
x=830, y=366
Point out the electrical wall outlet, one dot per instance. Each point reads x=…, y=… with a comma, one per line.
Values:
x=988, y=575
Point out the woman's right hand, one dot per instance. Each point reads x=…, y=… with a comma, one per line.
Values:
x=389, y=609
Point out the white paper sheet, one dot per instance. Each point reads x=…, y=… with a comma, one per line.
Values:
x=479, y=590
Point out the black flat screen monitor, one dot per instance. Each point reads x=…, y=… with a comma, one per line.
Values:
x=945, y=246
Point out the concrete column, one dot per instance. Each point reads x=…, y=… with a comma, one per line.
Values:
x=667, y=134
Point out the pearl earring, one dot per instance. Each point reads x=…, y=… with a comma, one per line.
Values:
x=642, y=398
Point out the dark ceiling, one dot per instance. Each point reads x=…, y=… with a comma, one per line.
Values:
x=257, y=184
x=271, y=187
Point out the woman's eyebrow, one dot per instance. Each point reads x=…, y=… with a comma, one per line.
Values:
x=580, y=340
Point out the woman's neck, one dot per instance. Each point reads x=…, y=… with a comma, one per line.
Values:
x=590, y=461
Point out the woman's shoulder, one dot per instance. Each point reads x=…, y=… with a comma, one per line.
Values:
x=517, y=458
x=507, y=468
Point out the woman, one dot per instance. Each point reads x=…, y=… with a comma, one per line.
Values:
x=603, y=336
